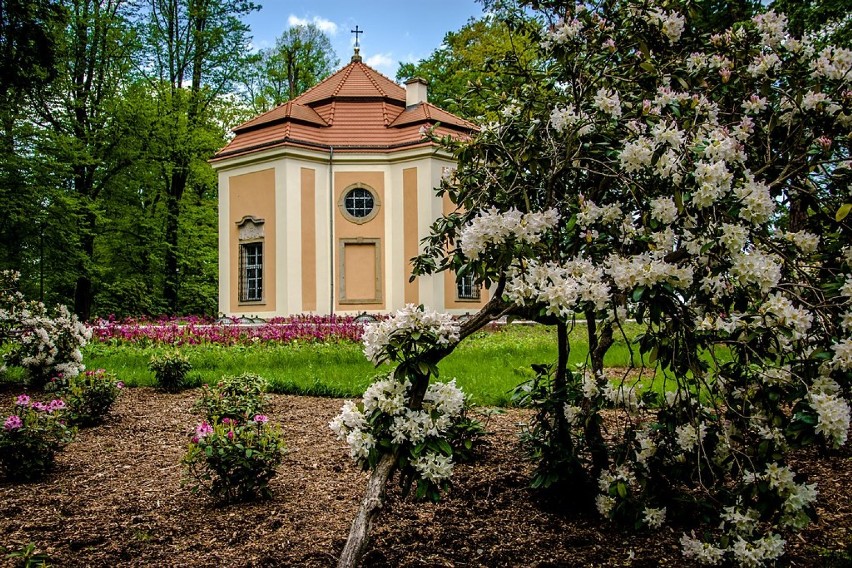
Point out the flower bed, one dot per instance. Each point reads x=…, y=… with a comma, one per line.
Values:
x=196, y=330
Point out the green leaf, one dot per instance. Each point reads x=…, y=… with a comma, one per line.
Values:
x=843, y=212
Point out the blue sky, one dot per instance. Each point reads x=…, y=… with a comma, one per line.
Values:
x=393, y=31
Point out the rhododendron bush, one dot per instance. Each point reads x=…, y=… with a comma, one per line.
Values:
x=698, y=182
x=45, y=342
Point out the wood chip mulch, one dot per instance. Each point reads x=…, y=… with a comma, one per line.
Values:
x=116, y=499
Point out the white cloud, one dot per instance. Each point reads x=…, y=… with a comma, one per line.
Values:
x=323, y=24
x=382, y=61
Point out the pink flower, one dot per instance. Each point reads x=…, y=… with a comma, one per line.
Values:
x=55, y=404
x=120, y=384
x=40, y=406
x=22, y=400
x=230, y=434
x=261, y=419
x=12, y=423
x=203, y=429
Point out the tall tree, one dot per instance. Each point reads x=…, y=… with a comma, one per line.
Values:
x=195, y=49
x=302, y=57
x=80, y=136
x=469, y=68
x=29, y=35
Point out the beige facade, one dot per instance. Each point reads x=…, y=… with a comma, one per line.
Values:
x=316, y=259
x=324, y=199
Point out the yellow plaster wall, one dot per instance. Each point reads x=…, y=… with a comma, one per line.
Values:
x=253, y=194
x=451, y=301
x=346, y=231
x=309, y=240
x=410, y=227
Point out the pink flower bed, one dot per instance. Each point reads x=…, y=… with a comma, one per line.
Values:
x=194, y=330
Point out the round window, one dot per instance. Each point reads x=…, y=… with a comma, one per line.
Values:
x=359, y=204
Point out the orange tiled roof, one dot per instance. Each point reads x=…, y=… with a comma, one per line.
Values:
x=357, y=109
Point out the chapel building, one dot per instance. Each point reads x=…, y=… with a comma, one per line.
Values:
x=324, y=199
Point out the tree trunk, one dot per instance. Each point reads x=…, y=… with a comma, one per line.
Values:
x=359, y=533
x=370, y=506
x=598, y=346
x=171, y=283
x=560, y=384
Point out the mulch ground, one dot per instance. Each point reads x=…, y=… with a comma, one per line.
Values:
x=116, y=499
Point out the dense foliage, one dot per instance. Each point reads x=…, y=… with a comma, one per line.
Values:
x=109, y=112
x=235, y=450
x=661, y=164
x=32, y=433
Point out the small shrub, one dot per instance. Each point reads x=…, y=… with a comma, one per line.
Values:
x=88, y=396
x=170, y=371
x=31, y=435
x=233, y=397
x=234, y=460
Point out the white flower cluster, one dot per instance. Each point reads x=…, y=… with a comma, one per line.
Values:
x=409, y=320
x=758, y=205
x=702, y=552
x=590, y=213
x=624, y=396
x=443, y=403
x=762, y=64
x=608, y=102
x=713, y=180
x=842, y=358
x=772, y=28
x=654, y=518
x=646, y=269
x=688, y=436
x=781, y=311
x=833, y=416
x=492, y=227
x=806, y=242
x=647, y=446
x=671, y=23
x=433, y=467
x=563, y=119
x=559, y=287
x=833, y=63
x=664, y=210
x=562, y=33
x=758, y=268
x=51, y=345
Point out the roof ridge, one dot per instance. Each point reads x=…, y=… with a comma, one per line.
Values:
x=340, y=84
x=372, y=80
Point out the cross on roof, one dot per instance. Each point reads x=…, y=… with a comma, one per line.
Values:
x=357, y=32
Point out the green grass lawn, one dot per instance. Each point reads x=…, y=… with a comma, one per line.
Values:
x=487, y=365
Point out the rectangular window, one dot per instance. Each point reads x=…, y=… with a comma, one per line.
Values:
x=251, y=272
x=466, y=289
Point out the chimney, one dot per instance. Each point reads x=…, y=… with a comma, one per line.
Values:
x=416, y=90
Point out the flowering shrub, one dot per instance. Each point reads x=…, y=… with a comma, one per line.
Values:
x=233, y=397
x=401, y=413
x=420, y=438
x=697, y=181
x=170, y=370
x=234, y=460
x=88, y=396
x=194, y=331
x=44, y=343
x=408, y=334
x=32, y=433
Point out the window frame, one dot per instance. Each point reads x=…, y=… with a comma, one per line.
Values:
x=246, y=280
x=341, y=203
x=468, y=281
